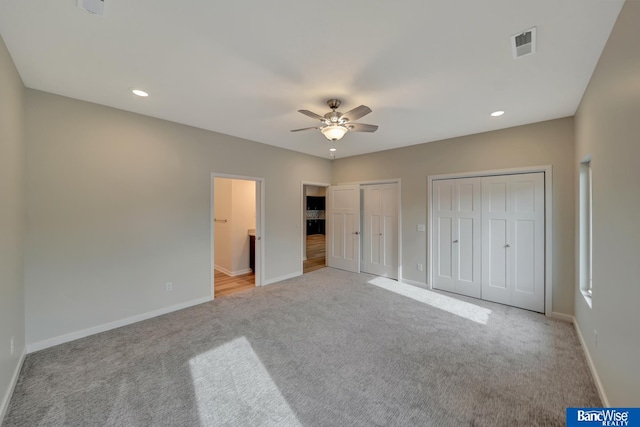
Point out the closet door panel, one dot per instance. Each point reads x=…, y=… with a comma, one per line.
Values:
x=456, y=239
x=527, y=195
x=380, y=235
x=443, y=277
x=495, y=235
x=513, y=240
x=524, y=256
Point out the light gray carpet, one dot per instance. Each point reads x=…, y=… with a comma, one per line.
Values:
x=325, y=349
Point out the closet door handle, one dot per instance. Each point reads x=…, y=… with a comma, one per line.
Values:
x=455, y=241
x=507, y=245
x=356, y=232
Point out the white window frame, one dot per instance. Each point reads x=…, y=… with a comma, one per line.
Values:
x=586, y=230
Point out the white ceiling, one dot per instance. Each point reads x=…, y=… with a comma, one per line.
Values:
x=428, y=69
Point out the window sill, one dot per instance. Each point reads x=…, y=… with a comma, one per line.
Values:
x=588, y=298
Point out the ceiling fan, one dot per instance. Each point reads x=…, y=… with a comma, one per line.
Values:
x=336, y=124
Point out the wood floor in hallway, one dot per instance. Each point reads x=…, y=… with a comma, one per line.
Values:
x=227, y=285
x=313, y=264
x=316, y=248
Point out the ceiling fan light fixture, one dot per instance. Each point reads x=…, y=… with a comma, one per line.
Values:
x=334, y=132
x=334, y=124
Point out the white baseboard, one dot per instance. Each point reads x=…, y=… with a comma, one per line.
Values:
x=222, y=269
x=281, y=278
x=561, y=316
x=414, y=283
x=61, y=339
x=592, y=368
x=232, y=273
x=14, y=380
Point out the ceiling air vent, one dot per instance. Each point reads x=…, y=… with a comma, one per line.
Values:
x=524, y=43
x=95, y=7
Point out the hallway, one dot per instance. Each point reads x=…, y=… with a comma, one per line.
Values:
x=316, y=248
x=227, y=285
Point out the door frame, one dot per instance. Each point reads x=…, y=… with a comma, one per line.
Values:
x=397, y=181
x=548, y=221
x=303, y=223
x=260, y=222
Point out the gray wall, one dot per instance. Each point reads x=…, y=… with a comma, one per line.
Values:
x=532, y=145
x=11, y=221
x=608, y=128
x=118, y=204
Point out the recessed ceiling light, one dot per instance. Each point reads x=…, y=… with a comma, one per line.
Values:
x=332, y=149
x=497, y=113
x=140, y=92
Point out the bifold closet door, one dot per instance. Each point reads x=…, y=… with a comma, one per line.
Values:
x=343, y=227
x=456, y=233
x=380, y=232
x=513, y=240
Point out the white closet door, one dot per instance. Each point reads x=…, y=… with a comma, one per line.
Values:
x=442, y=235
x=513, y=240
x=456, y=235
x=343, y=227
x=527, y=276
x=380, y=239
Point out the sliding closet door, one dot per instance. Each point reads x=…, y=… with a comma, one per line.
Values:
x=456, y=235
x=513, y=240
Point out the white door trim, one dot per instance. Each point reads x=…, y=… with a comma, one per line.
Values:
x=399, y=201
x=260, y=216
x=548, y=218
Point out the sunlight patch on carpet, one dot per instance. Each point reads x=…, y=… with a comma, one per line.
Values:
x=231, y=383
x=451, y=305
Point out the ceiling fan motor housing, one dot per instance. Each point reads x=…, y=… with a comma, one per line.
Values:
x=334, y=103
x=333, y=116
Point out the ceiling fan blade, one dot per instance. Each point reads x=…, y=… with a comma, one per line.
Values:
x=360, y=127
x=298, y=130
x=312, y=114
x=356, y=113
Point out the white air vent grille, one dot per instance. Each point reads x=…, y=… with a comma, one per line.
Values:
x=524, y=43
x=95, y=7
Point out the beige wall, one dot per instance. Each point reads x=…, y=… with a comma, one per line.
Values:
x=312, y=190
x=608, y=129
x=235, y=201
x=11, y=223
x=243, y=218
x=532, y=145
x=119, y=204
x=222, y=230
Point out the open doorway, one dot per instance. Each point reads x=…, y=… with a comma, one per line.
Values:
x=235, y=227
x=314, y=226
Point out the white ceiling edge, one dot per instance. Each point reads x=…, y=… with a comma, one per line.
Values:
x=426, y=70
